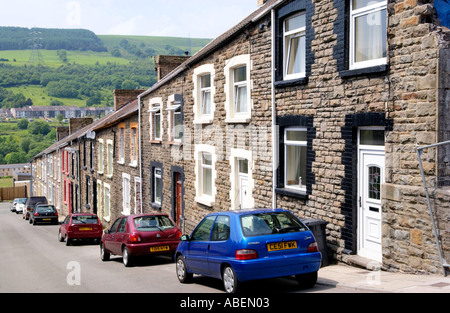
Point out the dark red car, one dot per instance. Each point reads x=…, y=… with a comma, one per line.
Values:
x=138, y=235
x=80, y=226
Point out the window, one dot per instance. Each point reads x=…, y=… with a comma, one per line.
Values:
x=107, y=199
x=85, y=154
x=294, y=30
x=126, y=195
x=109, y=153
x=205, y=174
x=221, y=228
x=121, y=143
x=99, y=197
x=134, y=144
x=203, y=230
x=155, y=119
x=157, y=185
x=100, y=156
x=91, y=155
x=88, y=191
x=174, y=107
x=204, y=91
x=295, y=158
x=368, y=34
x=238, y=89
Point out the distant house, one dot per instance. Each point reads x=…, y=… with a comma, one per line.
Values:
x=12, y=169
x=54, y=111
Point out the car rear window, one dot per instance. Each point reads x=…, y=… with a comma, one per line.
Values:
x=33, y=201
x=267, y=223
x=21, y=200
x=84, y=219
x=45, y=209
x=153, y=223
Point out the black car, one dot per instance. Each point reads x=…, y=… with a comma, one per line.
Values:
x=44, y=213
x=31, y=203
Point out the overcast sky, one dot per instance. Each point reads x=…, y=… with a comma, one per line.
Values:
x=176, y=18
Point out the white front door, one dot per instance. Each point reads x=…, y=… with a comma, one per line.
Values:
x=244, y=193
x=371, y=178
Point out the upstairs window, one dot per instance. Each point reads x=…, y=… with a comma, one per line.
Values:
x=294, y=46
x=134, y=144
x=121, y=143
x=204, y=91
x=240, y=90
x=368, y=34
x=155, y=119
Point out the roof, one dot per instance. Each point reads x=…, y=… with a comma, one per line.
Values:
x=216, y=43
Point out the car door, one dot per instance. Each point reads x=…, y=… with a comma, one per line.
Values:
x=119, y=236
x=110, y=236
x=198, y=248
x=220, y=245
x=64, y=226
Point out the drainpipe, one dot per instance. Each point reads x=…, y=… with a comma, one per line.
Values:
x=140, y=152
x=274, y=126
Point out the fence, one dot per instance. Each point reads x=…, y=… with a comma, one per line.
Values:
x=439, y=212
x=10, y=193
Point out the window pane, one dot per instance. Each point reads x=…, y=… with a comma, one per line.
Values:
x=205, y=81
x=296, y=135
x=178, y=126
x=240, y=74
x=374, y=182
x=157, y=125
x=158, y=189
x=241, y=99
x=206, y=102
x=357, y=4
x=372, y=137
x=207, y=181
x=221, y=229
x=370, y=36
x=295, y=22
x=203, y=230
x=243, y=166
x=296, y=166
x=206, y=159
x=296, y=54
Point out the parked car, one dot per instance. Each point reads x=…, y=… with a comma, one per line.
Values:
x=138, y=235
x=80, y=226
x=238, y=246
x=20, y=205
x=31, y=203
x=44, y=213
x=13, y=205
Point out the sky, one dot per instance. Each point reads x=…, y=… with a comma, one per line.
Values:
x=174, y=18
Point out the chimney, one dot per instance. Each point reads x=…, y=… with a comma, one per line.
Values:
x=75, y=124
x=61, y=132
x=167, y=63
x=261, y=2
x=124, y=96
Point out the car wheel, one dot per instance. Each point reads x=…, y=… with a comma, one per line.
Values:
x=68, y=241
x=104, y=255
x=183, y=275
x=126, y=257
x=307, y=280
x=230, y=281
x=60, y=237
x=30, y=221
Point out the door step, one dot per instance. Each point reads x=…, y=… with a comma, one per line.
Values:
x=368, y=264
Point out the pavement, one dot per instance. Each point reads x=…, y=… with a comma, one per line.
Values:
x=364, y=280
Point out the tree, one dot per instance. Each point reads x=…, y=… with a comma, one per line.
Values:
x=22, y=123
x=38, y=127
x=16, y=157
x=130, y=84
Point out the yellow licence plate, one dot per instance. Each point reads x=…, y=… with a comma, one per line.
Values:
x=276, y=246
x=85, y=228
x=159, y=248
x=46, y=219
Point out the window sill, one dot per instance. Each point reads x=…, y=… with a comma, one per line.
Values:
x=107, y=218
x=208, y=201
x=175, y=143
x=379, y=69
x=238, y=120
x=122, y=162
x=291, y=82
x=292, y=193
x=155, y=205
x=155, y=141
x=134, y=164
x=203, y=121
x=110, y=176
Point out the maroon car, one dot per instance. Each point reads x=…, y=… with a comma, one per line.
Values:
x=80, y=226
x=138, y=235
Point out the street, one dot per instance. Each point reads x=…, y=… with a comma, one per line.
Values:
x=33, y=260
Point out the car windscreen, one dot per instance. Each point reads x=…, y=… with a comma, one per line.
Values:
x=267, y=223
x=84, y=219
x=34, y=201
x=152, y=223
x=21, y=200
x=45, y=209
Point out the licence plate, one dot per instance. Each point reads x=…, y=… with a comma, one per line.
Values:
x=159, y=248
x=85, y=228
x=46, y=219
x=277, y=246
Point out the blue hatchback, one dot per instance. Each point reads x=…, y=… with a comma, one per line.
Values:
x=238, y=246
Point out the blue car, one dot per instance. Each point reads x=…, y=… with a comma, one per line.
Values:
x=238, y=246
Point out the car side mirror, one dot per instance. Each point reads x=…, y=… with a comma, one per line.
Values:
x=107, y=231
x=185, y=238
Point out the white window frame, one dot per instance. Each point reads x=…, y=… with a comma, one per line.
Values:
x=298, y=32
x=133, y=146
x=230, y=103
x=109, y=153
x=100, y=156
x=137, y=195
x=99, y=198
x=155, y=108
x=174, y=109
x=107, y=199
x=354, y=14
x=298, y=144
x=121, y=145
x=126, y=194
x=199, y=72
x=202, y=198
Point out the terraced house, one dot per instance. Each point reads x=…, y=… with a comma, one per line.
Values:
x=316, y=107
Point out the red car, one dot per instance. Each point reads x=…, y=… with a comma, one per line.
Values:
x=138, y=235
x=80, y=226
